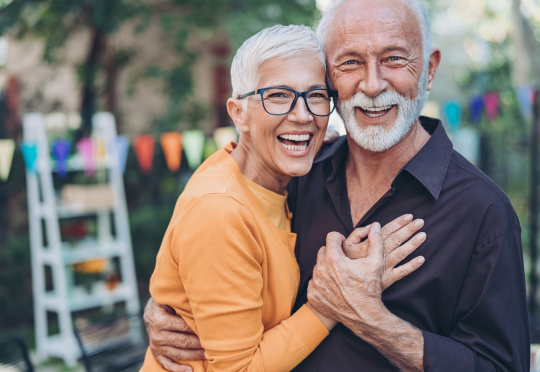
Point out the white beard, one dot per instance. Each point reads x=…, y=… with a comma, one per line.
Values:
x=376, y=138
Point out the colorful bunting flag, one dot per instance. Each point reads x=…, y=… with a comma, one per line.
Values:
x=100, y=148
x=86, y=149
x=61, y=148
x=224, y=135
x=452, y=111
x=7, y=148
x=476, y=108
x=492, y=103
x=210, y=147
x=171, y=143
x=29, y=151
x=524, y=96
x=144, y=149
x=431, y=109
x=194, y=147
x=122, y=147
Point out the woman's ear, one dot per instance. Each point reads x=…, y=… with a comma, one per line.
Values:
x=238, y=114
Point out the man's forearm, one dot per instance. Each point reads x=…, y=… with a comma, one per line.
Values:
x=398, y=341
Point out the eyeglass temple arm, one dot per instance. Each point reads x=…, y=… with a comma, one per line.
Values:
x=247, y=94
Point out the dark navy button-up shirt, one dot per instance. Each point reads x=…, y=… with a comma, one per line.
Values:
x=468, y=298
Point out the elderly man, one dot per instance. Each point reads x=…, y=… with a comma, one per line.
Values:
x=465, y=310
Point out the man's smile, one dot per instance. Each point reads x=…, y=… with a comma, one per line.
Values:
x=375, y=112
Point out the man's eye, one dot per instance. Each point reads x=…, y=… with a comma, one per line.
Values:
x=394, y=58
x=351, y=62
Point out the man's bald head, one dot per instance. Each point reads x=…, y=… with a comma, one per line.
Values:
x=416, y=6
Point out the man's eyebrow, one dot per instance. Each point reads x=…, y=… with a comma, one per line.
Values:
x=395, y=48
x=390, y=48
x=348, y=53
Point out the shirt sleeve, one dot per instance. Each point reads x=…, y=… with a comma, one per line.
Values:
x=491, y=331
x=218, y=250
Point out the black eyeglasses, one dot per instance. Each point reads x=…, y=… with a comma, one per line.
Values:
x=281, y=100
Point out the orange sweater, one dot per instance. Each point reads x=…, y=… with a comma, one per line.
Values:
x=232, y=276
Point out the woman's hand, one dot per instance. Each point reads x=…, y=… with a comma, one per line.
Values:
x=394, y=234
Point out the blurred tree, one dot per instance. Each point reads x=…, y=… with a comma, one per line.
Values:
x=55, y=21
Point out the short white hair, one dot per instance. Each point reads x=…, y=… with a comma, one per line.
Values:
x=416, y=5
x=273, y=42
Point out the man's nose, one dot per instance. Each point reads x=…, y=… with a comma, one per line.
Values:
x=300, y=112
x=373, y=83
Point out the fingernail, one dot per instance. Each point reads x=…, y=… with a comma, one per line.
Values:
x=422, y=236
x=419, y=223
x=368, y=226
x=377, y=227
x=408, y=218
x=421, y=260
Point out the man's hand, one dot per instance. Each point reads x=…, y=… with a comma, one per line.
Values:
x=339, y=281
x=349, y=291
x=394, y=234
x=170, y=337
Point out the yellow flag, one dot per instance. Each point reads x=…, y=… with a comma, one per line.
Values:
x=7, y=147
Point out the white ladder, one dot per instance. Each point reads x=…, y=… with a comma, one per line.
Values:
x=59, y=256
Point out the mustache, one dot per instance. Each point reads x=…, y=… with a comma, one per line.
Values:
x=360, y=99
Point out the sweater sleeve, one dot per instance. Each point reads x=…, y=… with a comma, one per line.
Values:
x=220, y=264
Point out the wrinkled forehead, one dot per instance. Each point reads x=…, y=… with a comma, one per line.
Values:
x=374, y=24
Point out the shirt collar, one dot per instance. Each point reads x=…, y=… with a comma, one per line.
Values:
x=428, y=166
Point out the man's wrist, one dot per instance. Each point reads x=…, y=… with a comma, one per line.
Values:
x=371, y=315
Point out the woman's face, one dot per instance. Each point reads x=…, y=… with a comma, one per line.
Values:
x=287, y=144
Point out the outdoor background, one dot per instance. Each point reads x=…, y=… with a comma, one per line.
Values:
x=163, y=65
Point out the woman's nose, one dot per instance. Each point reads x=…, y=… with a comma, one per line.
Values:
x=300, y=112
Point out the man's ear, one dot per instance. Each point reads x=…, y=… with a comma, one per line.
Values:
x=238, y=114
x=434, y=61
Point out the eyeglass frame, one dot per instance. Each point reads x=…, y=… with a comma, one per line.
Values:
x=333, y=94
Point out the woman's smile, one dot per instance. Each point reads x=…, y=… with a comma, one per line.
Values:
x=296, y=143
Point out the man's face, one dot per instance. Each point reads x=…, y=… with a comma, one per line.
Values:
x=375, y=60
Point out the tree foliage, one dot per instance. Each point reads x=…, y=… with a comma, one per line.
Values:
x=55, y=21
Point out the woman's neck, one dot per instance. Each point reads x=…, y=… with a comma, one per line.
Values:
x=254, y=168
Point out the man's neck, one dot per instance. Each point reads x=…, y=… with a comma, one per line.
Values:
x=370, y=174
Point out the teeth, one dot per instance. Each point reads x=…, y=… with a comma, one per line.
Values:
x=294, y=148
x=295, y=137
x=376, y=109
x=374, y=115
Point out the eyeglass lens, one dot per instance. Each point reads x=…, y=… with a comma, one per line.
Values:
x=278, y=101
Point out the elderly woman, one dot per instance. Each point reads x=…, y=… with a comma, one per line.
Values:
x=227, y=263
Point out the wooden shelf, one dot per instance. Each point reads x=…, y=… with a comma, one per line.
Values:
x=88, y=249
x=100, y=296
x=73, y=210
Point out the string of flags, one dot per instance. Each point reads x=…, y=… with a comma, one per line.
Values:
x=487, y=104
x=193, y=143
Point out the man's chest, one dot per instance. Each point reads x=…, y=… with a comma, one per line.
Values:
x=435, y=286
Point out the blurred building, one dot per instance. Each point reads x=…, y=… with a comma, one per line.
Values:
x=55, y=87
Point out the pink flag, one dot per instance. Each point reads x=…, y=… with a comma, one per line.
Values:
x=491, y=104
x=86, y=149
